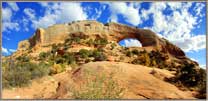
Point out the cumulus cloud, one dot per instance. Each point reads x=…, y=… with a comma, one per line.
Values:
x=12, y=50
x=177, y=27
x=7, y=22
x=4, y=50
x=6, y=14
x=203, y=66
x=132, y=43
x=192, y=44
x=194, y=59
x=30, y=13
x=129, y=12
x=198, y=8
x=7, y=26
x=13, y=5
x=93, y=12
x=59, y=13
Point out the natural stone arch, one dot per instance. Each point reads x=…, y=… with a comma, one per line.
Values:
x=130, y=42
x=147, y=38
x=115, y=32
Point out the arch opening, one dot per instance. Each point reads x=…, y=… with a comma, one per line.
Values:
x=130, y=42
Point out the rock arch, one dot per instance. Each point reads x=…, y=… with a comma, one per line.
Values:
x=115, y=32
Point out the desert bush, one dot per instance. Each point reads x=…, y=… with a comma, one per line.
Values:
x=145, y=59
x=202, y=92
x=84, y=53
x=76, y=39
x=23, y=58
x=100, y=41
x=15, y=75
x=43, y=55
x=102, y=87
x=69, y=57
x=99, y=56
x=39, y=70
x=133, y=52
x=201, y=79
x=54, y=48
x=90, y=42
x=136, y=52
x=59, y=60
x=113, y=45
x=68, y=41
x=20, y=73
x=129, y=53
x=56, y=68
x=187, y=75
x=190, y=77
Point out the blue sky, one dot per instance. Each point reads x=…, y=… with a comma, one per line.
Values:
x=182, y=23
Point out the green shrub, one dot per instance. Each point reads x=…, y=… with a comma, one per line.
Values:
x=68, y=41
x=202, y=92
x=99, y=56
x=39, y=70
x=102, y=87
x=90, y=42
x=59, y=60
x=43, y=55
x=129, y=53
x=56, y=68
x=201, y=79
x=69, y=57
x=23, y=58
x=20, y=73
x=76, y=39
x=54, y=48
x=84, y=53
x=190, y=77
x=136, y=52
x=113, y=45
x=100, y=41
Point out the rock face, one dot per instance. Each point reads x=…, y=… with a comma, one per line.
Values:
x=112, y=31
x=144, y=86
x=23, y=45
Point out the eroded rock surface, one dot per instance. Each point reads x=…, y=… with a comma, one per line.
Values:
x=112, y=31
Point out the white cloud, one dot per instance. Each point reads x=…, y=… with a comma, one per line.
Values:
x=30, y=13
x=13, y=5
x=7, y=22
x=94, y=13
x=71, y=11
x=7, y=26
x=194, y=59
x=60, y=13
x=202, y=66
x=176, y=27
x=44, y=4
x=4, y=50
x=6, y=14
x=132, y=43
x=198, y=8
x=130, y=12
x=12, y=50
